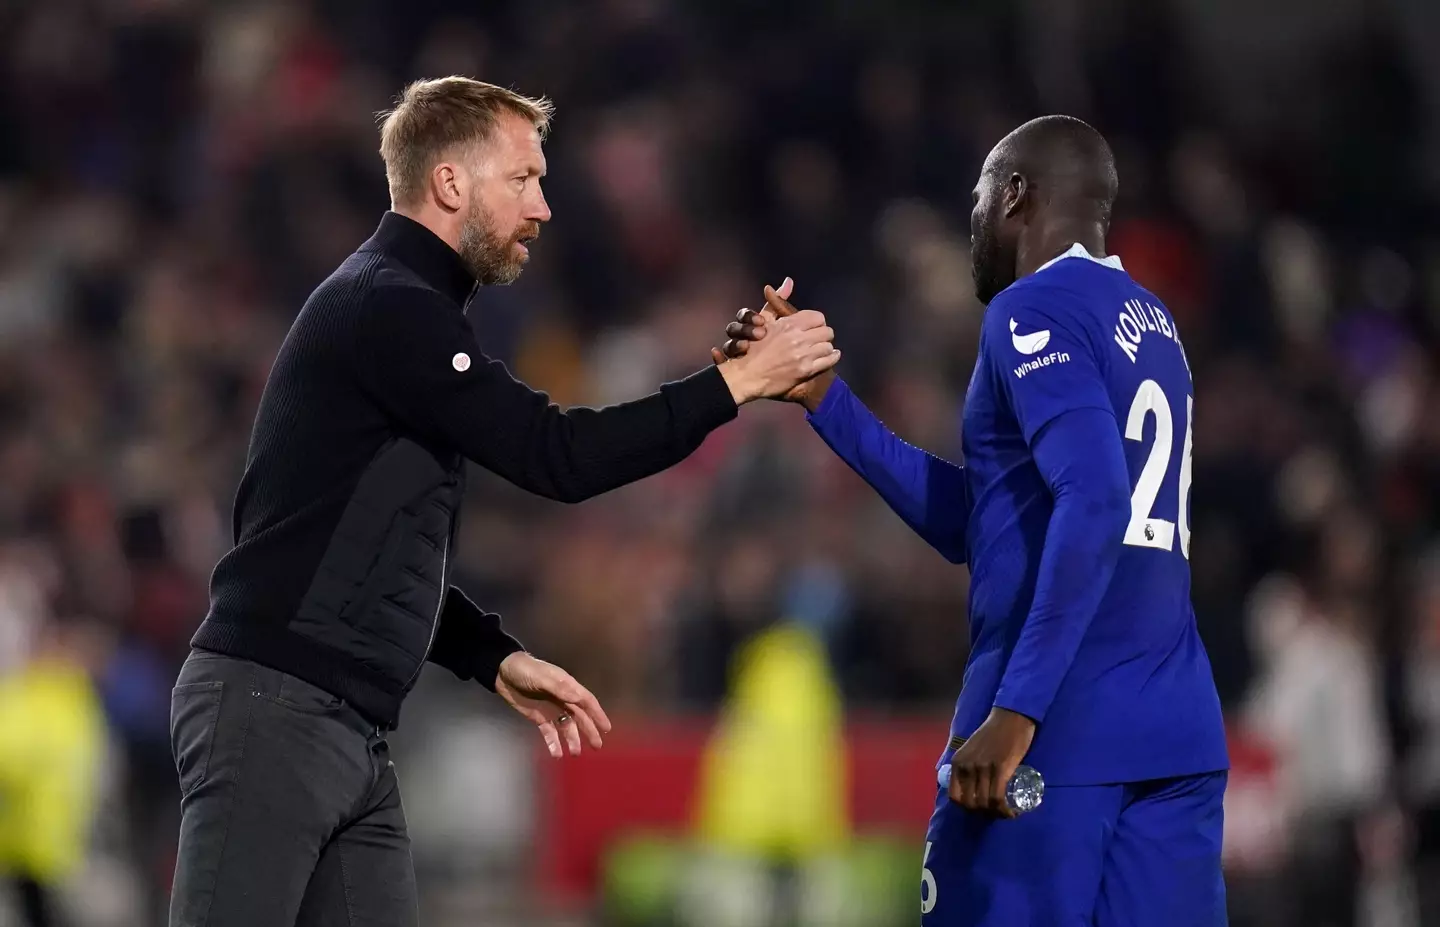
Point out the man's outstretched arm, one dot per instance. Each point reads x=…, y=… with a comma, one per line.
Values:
x=415, y=354
x=928, y=493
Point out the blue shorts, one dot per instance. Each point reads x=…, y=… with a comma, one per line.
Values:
x=1145, y=854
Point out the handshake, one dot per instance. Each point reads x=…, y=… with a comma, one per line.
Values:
x=778, y=353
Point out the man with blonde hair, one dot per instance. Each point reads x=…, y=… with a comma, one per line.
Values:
x=337, y=591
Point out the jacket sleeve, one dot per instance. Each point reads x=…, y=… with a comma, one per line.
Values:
x=470, y=642
x=417, y=357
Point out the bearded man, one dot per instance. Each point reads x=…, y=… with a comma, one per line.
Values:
x=337, y=591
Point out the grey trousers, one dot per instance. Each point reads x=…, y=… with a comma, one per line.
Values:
x=290, y=809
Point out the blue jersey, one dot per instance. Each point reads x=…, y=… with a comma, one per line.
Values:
x=1081, y=377
x=1137, y=700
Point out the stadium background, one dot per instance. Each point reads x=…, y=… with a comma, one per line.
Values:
x=175, y=175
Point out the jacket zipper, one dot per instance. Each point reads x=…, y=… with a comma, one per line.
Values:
x=434, y=625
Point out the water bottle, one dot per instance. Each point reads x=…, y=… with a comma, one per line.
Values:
x=1023, y=793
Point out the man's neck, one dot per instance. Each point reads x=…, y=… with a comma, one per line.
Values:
x=1054, y=239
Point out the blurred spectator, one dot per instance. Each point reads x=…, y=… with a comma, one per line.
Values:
x=1318, y=699
x=50, y=768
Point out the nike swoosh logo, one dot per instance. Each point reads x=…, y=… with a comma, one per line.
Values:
x=1032, y=343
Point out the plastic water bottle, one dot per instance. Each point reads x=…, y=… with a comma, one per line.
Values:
x=1023, y=793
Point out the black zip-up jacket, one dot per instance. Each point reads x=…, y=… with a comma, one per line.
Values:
x=345, y=519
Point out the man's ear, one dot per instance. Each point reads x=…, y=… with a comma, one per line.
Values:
x=445, y=182
x=1017, y=194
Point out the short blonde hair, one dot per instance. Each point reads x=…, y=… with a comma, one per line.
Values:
x=432, y=117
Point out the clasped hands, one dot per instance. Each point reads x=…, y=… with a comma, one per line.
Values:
x=779, y=352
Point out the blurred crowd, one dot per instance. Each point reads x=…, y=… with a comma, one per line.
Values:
x=176, y=175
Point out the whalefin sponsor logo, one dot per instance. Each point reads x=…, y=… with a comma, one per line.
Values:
x=1049, y=360
x=1032, y=343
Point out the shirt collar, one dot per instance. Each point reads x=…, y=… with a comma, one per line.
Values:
x=421, y=250
x=1079, y=250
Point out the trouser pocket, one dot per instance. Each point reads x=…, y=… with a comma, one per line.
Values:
x=194, y=713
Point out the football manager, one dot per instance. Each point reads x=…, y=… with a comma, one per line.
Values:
x=337, y=591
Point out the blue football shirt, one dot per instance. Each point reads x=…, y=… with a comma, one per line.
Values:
x=1106, y=655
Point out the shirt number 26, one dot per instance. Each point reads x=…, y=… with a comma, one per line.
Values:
x=1144, y=529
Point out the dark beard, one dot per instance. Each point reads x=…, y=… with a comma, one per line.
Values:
x=986, y=263
x=490, y=259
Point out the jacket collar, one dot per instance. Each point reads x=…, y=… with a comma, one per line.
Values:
x=421, y=250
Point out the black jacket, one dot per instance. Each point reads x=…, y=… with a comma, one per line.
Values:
x=345, y=519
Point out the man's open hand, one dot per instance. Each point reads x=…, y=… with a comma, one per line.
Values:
x=981, y=769
x=750, y=326
x=550, y=698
